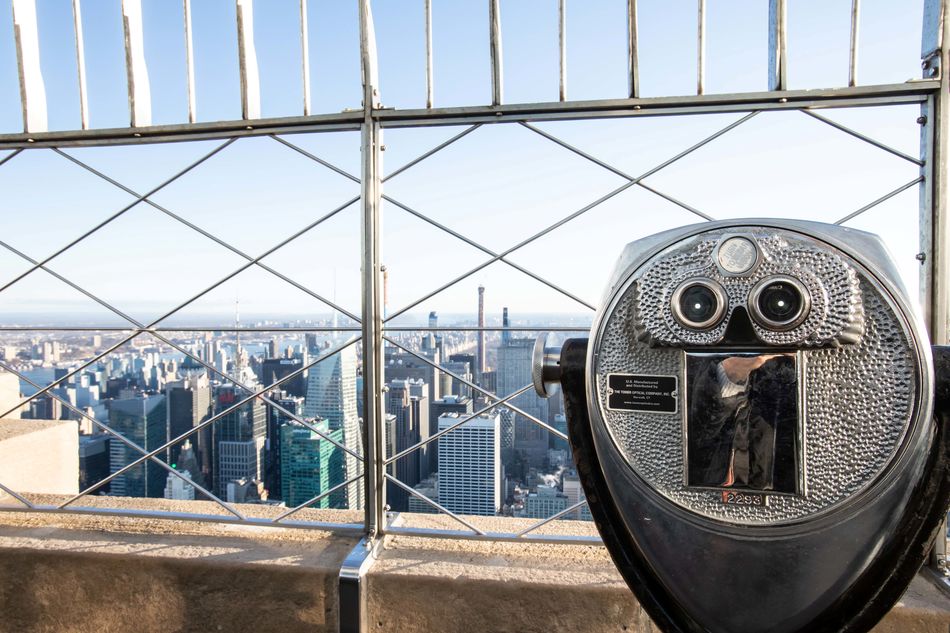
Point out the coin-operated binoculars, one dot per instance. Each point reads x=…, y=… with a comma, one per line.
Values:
x=758, y=427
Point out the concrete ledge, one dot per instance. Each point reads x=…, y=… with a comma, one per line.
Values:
x=68, y=573
x=40, y=456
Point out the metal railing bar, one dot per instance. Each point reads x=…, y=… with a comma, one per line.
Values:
x=349, y=120
x=701, y=48
x=188, y=516
x=315, y=158
x=200, y=230
x=488, y=251
x=32, y=88
x=562, y=49
x=497, y=71
x=553, y=517
x=883, y=198
x=432, y=151
x=624, y=110
x=18, y=497
x=471, y=416
x=305, y=56
x=777, y=44
x=853, y=58
x=495, y=536
x=189, y=63
x=10, y=156
x=202, y=425
x=863, y=137
x=136, y=69
x=281, y=409
x=577, y=213
x=127, y=442
x=434, y=504
x=633, y=63
x=247, y=61
x=613, y=169
x=429, y=65
x=481, y=390
x=318, y=497
x=80, y=65
x=255, y=261
x=118, y=213
x=211, y=328
x=472, y=328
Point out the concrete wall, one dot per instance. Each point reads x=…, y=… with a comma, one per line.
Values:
x=77, y=574
x=39, y=456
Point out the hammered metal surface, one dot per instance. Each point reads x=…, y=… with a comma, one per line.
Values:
x=859, y=397
x=836, y=314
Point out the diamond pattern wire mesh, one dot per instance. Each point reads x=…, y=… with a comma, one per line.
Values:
x=154, y=327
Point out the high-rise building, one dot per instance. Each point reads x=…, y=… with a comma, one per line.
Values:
x=574, y=494
x=273, y=369
x=305, y=463
x=189, y=404
x=331, y=395
x=544, y=503
x=513, y=373
x=143, y=420
x=178, y=488
x=276, y=418
x=406, y=400
x=481, y=367
x=446, y=404
x=93, y=460
x=239, y=439
x=470, y=465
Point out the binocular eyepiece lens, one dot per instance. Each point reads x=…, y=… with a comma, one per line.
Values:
x=779, y=303
x=699, y=303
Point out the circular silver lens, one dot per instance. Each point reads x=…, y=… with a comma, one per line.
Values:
x=699, y=303
x=779, y=303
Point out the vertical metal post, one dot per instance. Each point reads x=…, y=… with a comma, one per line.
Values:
x=429, y=87
x=701, y=49
x=247, y=61
x=140, y=94
x=853, y=60
x=934, y=223
x=633, y=62
x=777, y=45
x=497, y=74
x=372, y=320
x=562, y=48
x=190, y=63
x=32, y=88
x=305, y=56
x=81, y=65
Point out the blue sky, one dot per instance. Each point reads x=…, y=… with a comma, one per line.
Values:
x=498, y=185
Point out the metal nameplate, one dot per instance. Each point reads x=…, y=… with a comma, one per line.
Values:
x=736, y=498
x=634, y=392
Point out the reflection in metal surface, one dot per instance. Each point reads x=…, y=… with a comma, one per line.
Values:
x=743, y=421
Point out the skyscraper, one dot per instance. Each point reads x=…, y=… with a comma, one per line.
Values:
x=447, y=404
x=513, y=373
x=306, y=462
x=470, y=465
x=406, y=400
x=481, y=334
x=189, y=404
x=141, y=419
x=239, y=438
x=331, y=395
